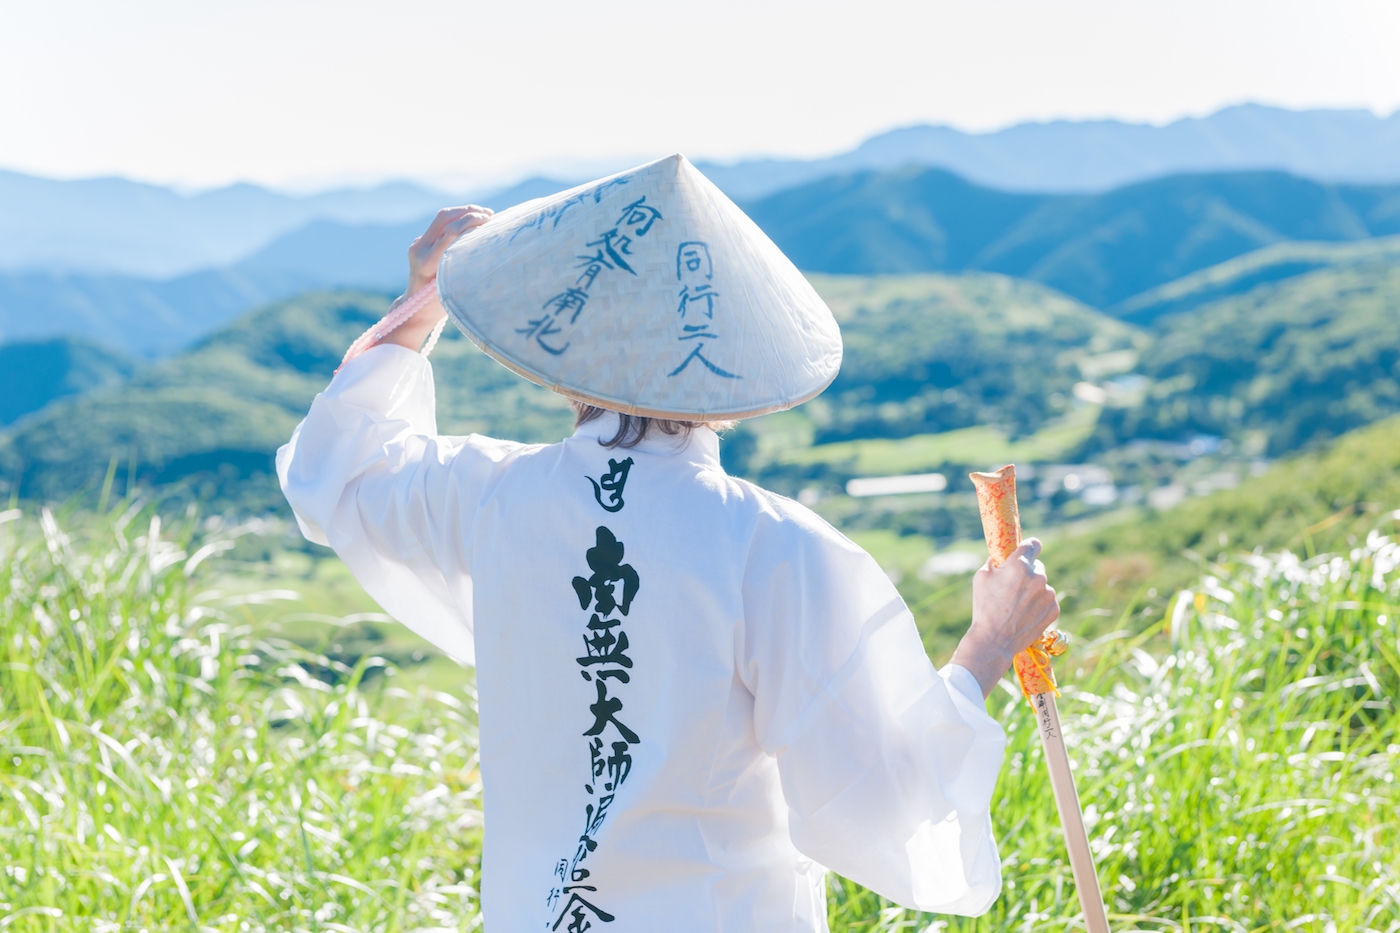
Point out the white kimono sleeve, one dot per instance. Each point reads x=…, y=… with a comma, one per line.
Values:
x=367, y=475
x=887, y=766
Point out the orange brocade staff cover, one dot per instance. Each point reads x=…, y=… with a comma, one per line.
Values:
x=1001, y=523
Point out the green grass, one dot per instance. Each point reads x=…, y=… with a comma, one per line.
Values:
x=173, y=760
x=979, y=446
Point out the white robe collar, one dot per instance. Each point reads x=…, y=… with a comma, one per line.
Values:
x=702, y=446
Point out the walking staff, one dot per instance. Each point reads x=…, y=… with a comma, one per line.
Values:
x=1001, y=523
x=695, y=696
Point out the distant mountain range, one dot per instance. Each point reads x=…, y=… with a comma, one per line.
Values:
x=151, y=317
x=1086, y=156
x=115, y=226
x=1100, y=248
x=118, y=227
x=1109, y=250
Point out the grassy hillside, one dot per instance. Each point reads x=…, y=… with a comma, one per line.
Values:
x=174, y=760
x=1280, y=366
x=1101, y=248
x=1122, y=567
x=1326, y=499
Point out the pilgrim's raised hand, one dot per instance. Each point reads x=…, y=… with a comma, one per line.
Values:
x=423, y=256
x=1012, y=606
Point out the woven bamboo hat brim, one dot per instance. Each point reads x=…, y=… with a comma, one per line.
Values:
x=648, y=293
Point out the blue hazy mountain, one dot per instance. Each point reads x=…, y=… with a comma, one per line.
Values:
x=153, y=317
x=1100, y=248
x=120, y=226
x=115, y=226
x=328, y=253
x=1083, y=156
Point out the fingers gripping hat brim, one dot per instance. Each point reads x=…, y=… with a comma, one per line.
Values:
x=648, y=292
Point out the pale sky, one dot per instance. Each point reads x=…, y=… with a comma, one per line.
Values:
x=310, y=93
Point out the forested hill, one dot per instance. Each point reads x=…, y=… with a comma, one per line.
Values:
x=1102, y=249
x=929, y=358
x=1280, y=366
x=213, y=416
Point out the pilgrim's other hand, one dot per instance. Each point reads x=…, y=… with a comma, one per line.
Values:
x=1012, y=606
x=423, y=256
x=447, y=226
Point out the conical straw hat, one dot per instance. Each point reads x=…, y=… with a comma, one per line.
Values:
x=649, y=293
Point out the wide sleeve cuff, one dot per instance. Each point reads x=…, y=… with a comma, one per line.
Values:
x=961, y=680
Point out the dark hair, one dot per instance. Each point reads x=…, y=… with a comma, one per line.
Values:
x=631, y=429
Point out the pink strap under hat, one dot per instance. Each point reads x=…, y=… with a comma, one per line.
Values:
x=399, y=314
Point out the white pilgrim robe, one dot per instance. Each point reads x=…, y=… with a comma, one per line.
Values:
x=683, y=730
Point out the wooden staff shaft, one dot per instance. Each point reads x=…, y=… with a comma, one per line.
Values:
x=1081, y=858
